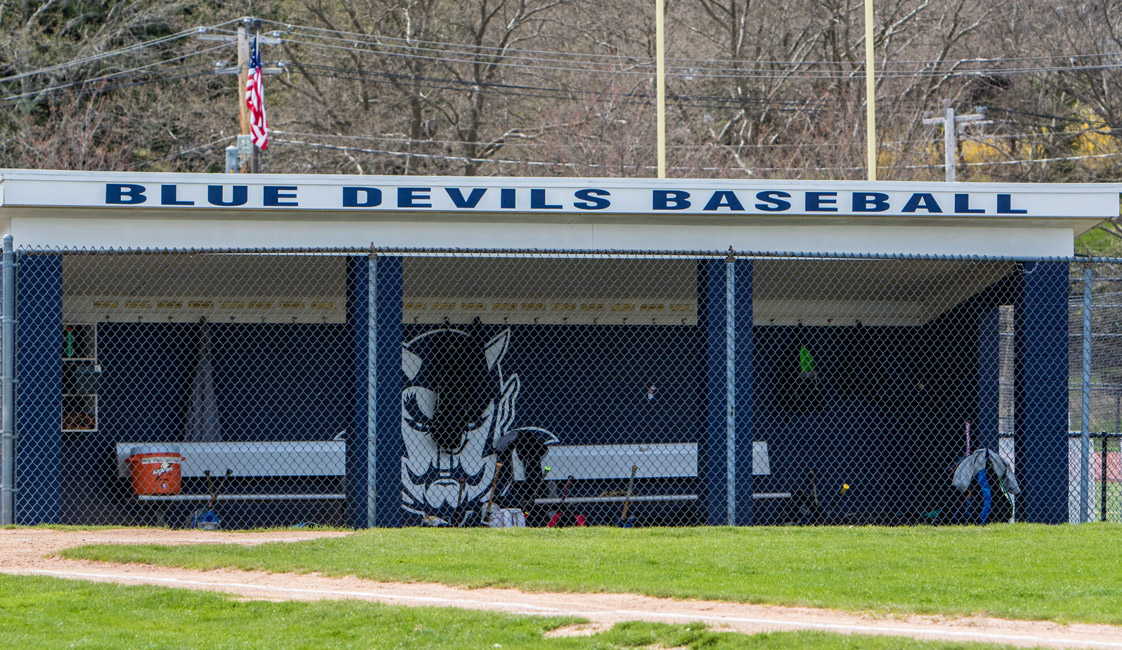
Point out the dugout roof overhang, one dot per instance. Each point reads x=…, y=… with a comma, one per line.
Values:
x=146, y=210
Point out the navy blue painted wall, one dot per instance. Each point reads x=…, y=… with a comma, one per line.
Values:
x=1041, y=397
x=272, y=381
x=588, y=384
x=38, y=390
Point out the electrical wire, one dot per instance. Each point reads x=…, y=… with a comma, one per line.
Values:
x=182, y=153
x=415, y=44
x=533, y=163
x=510, y=58
x=105, y=55
x=113, y=75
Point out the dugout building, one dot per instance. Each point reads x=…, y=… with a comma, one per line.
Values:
x=259, y=350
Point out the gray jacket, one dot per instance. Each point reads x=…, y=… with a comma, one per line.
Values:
x=969, y=467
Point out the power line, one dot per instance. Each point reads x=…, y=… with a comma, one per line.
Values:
x=106, y=77
x=105, y=55
x=420, y=44
x=184, y=152
x=536, y=163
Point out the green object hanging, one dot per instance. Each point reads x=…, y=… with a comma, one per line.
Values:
x=806, y=361
x=68, y=343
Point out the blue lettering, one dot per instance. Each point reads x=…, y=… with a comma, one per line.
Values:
x=922, y=200
x=962, y=205
x=239, y=195
x=1005, y=206
x=370, y=197
x=773, y=201
x=275, y=193
x=507, y=198
x=124, y=194
x=870, y=202
x=671, y=199
x=167, y=196
x=537, y=201
x=412, y=197
x=821, y=201
x=472, y=199
x=592, y=199
x=724, y=199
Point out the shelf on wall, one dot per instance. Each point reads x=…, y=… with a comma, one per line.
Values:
x=79, y=342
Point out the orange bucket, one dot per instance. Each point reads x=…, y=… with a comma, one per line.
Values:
x=155, y=471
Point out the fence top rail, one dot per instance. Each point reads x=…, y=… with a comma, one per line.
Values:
x=730, y=254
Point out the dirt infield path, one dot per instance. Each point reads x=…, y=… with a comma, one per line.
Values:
x=27, y=551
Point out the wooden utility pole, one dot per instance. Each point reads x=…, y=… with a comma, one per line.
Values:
x=243, y=108
x=246, y=151
x=951, y=125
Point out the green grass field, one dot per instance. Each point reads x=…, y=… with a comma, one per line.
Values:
x=48, y=613
x=1062, y=573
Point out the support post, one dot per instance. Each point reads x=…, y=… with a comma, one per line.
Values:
x=359, y=438
x=8, y=366
x=743, y=399
x=730, y=390
x=387, y=445
x=1085, y=446
x=1041, y=392
x=38, y=498
x=1103, y=483
x=713, y=458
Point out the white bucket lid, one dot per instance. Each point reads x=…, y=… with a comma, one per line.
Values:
x=167, y=450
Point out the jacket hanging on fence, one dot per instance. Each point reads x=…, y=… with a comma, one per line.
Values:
x=987, y=481
x=978, y=461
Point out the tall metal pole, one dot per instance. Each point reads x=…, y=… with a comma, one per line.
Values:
x=7, y=386
x=730, y=386
x=1085, y=447
x=660, y=86
x=870, y=96
x=950, y=148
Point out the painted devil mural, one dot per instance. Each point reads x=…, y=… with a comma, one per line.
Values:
x=457, y=407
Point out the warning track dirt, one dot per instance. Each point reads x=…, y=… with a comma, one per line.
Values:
x=27, y=551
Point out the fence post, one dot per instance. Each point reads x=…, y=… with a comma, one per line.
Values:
x=1102, y=483
x=7, y=425
x=1085, y=449
x=730, y=387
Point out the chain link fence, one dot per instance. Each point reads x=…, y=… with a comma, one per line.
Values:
x=1096, y=405
x=362, y=387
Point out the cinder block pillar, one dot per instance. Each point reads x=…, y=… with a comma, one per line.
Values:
x=986, y=424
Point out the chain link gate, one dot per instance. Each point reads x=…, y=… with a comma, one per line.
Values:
x=405, y=387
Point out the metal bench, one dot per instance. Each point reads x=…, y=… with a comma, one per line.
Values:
x=263, y=459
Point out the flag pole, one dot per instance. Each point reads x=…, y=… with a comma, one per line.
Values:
x=870, y=96
x=660, y=83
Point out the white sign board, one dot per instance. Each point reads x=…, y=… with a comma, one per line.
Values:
x=446, y=195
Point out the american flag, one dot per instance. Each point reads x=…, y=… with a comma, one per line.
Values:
x=255, y=99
